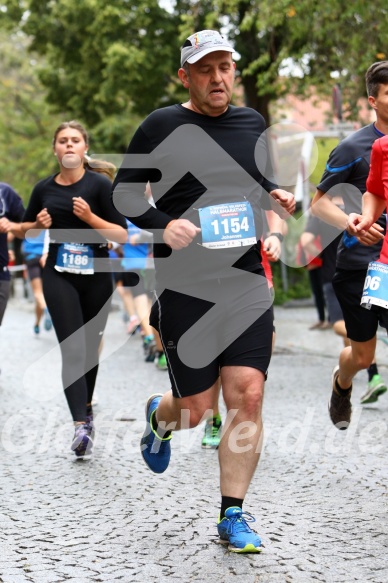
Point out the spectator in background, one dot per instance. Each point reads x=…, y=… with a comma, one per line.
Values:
x=137, y=263
x=32, y=249
x=11, y=215
x=308, y=254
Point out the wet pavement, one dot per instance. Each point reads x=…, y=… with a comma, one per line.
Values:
x=319, y=495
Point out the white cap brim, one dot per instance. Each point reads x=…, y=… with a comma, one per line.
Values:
x=200, y=54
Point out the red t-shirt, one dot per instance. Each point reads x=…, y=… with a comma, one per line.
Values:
x=377, y=182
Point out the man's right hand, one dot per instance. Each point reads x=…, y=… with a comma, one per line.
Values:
x=179, y=233
x=362, y=227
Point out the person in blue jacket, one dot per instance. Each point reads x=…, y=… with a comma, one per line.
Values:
x=33, y=250
x=136, y=260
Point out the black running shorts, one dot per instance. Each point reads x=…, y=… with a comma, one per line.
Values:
x=361, y=323
x=34, y=268
x=227, y=322
x=133, y=279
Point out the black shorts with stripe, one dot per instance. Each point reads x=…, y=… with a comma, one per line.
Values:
x=226, y=322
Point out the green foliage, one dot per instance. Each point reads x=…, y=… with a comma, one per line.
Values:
x=318, y=40
x=103, y=59
x=298, y=284
x=120, y=58
x=291, y=282
x=109, y=64
x=26, y=124
x=325, y=146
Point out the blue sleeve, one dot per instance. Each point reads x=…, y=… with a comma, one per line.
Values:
x=14, y=209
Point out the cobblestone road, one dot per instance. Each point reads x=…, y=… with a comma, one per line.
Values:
x=319, y=495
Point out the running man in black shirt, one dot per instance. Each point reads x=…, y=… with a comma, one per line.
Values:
x=213, y=307
x=76, y=206
x=345, y=175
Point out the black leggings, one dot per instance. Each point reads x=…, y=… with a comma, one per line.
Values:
x=316, y=284
x=79, y=307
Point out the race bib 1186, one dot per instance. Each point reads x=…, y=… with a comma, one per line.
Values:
x=75, y=258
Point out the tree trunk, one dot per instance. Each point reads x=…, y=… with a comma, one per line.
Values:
x=258, y=102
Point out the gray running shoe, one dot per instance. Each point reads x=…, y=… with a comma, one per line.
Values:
x=89, y=421
x=82, y=442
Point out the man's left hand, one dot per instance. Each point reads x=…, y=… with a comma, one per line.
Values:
x=272, y=247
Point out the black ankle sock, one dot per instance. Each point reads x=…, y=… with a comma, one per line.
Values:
x=155, y=426
x=227, y=502
x=342, y=392
x=372, y=370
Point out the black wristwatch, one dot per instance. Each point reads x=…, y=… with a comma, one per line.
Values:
x=278, y=235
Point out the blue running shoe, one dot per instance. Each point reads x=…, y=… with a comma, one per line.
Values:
x=156, y=452
x=36, y=329
x=48, y=324
x=233, y=529
x=82, y=442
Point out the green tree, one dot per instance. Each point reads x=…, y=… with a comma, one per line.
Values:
x=102, y=60
x=26, y=124
x=119, y=58
x=108, y=62
x=322, y=43
x=27, y=121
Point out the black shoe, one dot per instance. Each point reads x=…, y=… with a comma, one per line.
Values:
x=149, y=346
x=340, y=407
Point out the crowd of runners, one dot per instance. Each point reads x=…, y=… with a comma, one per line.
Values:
x=197, y=181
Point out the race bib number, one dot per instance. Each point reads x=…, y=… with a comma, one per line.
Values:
x=75, y=258
x=227, y=225
x=376, y=286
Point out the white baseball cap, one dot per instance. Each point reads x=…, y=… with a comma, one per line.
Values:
x=202, y=43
